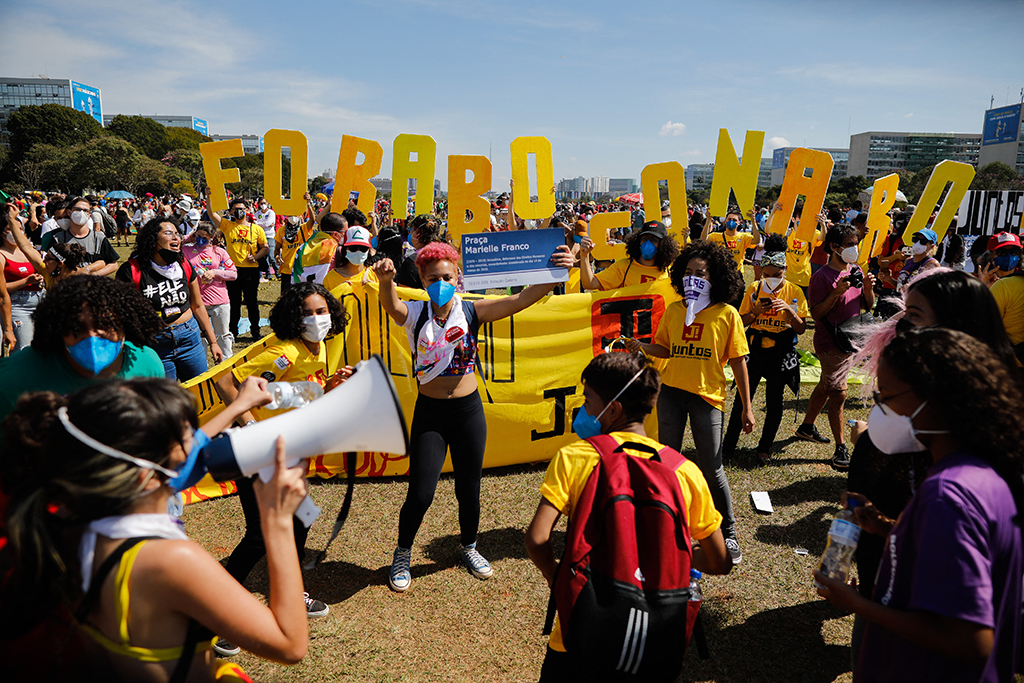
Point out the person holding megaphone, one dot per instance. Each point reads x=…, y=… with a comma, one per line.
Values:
x=301, y=320
x=449, y=413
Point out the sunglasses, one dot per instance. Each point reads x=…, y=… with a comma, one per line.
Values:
x=358, y=248
x=918, y=239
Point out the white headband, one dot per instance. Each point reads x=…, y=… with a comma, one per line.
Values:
x=74, y=431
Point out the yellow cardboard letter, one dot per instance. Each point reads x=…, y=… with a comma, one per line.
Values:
x=402, y=169
x=217, y=177
x=956, y=172
x=883, y=196
x=731, y=175
x=601, y=226
x=521, y=148
x=813, y=188
x=351, y=177
x=274, y=140
x=464, y=195
x=675, y=177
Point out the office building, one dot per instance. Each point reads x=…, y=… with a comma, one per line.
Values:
x=251, y=144
x=19, y=92
x=877, y=153
x=192, y=122
x=699, y=176
x=620, y=186
x=571, y=188
x=764, y=174
x=780, y=160
x=383, y=185
x=1002, y=138
x=598, y=185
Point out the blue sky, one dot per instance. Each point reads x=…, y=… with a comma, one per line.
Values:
x=613, y=86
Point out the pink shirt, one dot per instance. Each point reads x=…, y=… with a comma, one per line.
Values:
x=216, y=261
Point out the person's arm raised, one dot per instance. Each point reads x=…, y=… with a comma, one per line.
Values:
x=708, y=222
x=395, y=307
x=21, y=239
x=489, y=310
x=588, y=280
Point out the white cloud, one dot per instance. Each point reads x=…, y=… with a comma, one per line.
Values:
x=691, y=153
x=909, y=116
x=774, y=143
x=672, y=129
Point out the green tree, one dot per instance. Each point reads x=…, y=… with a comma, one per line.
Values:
x=111, y=163
x=150, y=176
x=56, y=163
x=994, y=176
x=849, y=186
x=148, y=136
x=188, y=160
x=912, y=183
x=184, y=187
x=50, y=124
x=184, y=138
x=317, y=183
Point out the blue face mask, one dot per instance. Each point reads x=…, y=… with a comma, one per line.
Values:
x=190, y=473
x=731, y=225
x=1007, y=262
x=587, y=426
x=95, y=354
x=201, y=242
x=648, y=249
x=577, y=238
x=373, y=242
x=441, y=292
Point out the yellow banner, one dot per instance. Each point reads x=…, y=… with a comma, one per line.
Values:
x=529, y=373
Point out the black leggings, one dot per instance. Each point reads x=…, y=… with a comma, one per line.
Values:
x=245, y=286
x=251, y=548
x=769, y=366
x=437, y=426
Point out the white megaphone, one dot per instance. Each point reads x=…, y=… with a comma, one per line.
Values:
x=363, y=414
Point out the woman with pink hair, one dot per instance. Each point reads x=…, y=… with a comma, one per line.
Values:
x=449, y=413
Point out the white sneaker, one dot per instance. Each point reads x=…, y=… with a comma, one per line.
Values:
x=475, y=562
x=734, y=551
x=400, y=577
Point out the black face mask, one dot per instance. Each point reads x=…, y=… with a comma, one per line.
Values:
x=239, y=214
x=169, y=256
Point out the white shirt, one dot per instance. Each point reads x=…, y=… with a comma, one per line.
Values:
x=266, y=220
x=49, y=225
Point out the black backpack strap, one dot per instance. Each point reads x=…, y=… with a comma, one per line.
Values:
x=92, y=596
x=420, y=322
x=474, y=327
x=195, y=634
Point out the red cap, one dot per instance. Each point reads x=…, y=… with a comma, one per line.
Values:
x=1003, y=239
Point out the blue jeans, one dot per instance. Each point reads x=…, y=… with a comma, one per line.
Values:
x=180, y=348
x=23, y=305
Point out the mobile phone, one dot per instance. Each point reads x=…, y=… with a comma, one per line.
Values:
x=765, y=301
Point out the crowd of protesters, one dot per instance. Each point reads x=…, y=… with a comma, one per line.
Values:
x=96, y=448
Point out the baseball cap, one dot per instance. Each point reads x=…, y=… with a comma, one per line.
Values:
x=1003, y=239
x=193, y=216
x=357, y=237
x=930, y=235
x=655, y=229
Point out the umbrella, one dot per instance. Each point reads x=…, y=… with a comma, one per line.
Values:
x=634, y=198
x=328, y=188
x=120, y=194
x=865, y=196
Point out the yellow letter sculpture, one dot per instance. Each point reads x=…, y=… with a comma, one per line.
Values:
x=217, y=177
x=956, y=172
x=464, y=195
x=274, y=140
x=731, y=175
x=883, y=196
x=402, y=169
x=813, y=188
x=673, y=174
x=352, y=177
x=521, y=148
x=600, y=227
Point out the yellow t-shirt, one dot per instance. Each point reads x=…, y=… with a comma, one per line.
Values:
x=737, y=245
x=569, y=470
x=698, y=353
x=286, y=361
x=288, y=249
x=798, y=260
x=1009, y=295
x=773, y=322
x=242, y=241
x=626, y=272
x=335, y=279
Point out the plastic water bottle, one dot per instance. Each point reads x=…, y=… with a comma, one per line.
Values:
x=796, y=309
x=695, y=593
x=293, y=394
x=842, y=542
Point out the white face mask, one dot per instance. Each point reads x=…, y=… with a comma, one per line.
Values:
x=772, y=284
x=79, y=217
x=667, y=221
x=316, y=327
x=697, y=294
x=357, y=258
x=918, y=248
x=895, y=433
x=850, y=254
x=9, y=237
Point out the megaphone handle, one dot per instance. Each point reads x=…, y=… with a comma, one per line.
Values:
x=307, y=512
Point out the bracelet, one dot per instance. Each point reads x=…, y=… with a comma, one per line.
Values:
x=250, y=423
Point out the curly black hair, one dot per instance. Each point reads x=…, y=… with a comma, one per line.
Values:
x=114, y=305
x=726, y=282
x=426, y=228
x=668, y=250
x=775, y=242
x=978, y=399
x=354, y=217
x=145, y=241
x=836, y=235
x=286, y=315
x=74, y=255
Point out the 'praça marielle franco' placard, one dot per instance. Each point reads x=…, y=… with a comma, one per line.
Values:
x=507, y=259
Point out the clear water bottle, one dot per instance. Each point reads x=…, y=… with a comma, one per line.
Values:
x=796, y=309
x=695, y=592
x=842, y=542
x=293, y=394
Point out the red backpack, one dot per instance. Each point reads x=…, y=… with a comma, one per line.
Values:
x=136, y=272
x=622, y=590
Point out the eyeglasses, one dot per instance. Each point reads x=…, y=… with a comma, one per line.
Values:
x=881, y=401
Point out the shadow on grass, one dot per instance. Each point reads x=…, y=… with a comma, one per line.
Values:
x=783, y=644
x=494, y=544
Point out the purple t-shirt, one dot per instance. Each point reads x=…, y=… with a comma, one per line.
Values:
x=956, y=552
x=823, y=283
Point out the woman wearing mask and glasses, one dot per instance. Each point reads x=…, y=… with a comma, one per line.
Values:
x=215, y=269
x=449, y=414
x=301, y=320
x=946, y=604
x=699, y=335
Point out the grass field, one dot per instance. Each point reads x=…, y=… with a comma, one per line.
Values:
x=764, y=620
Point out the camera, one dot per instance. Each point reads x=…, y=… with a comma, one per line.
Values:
x=855, y=278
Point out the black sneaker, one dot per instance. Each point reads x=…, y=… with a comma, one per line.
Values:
x=841, y=458
x=734, y=551
x=226, y=649
x=809, y=432
x=315, y=608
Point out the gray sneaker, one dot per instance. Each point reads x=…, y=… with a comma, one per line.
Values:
x=841, y=458
x=400, y=577
x=475, y=562
x=734, y=551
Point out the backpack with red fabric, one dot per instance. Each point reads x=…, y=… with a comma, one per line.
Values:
x=136, y=271
x=622, y=590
